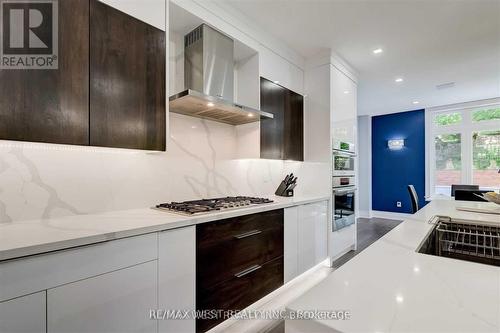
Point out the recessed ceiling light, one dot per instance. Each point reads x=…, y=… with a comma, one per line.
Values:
x=415, y=102
x=210, y=104
x=346, y=91
x=399, y=79
x=250, y=115
x=377, y=51
x=445, y=85
x=277, y=82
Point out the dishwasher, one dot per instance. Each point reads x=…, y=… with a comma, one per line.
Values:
x=463, y=240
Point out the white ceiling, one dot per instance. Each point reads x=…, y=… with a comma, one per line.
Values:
x=426, y=42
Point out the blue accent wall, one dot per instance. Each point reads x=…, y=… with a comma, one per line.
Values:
x=394, y=170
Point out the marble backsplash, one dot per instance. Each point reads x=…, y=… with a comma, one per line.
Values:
x=46, y=180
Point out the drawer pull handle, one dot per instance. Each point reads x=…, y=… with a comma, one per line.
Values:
x=248, y=234
x=248, y=271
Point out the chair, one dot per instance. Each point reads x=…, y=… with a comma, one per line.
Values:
x=414, y=199
x=463, y=187
x=469, y=195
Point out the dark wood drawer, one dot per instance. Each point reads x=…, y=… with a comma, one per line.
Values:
x=227, y=247
x=222, y=260
x=240, y=291
x=209, y=234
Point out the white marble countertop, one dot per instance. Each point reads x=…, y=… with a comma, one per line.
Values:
x=391, y=288
x=24, y=238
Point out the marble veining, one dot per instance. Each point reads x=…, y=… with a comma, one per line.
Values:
x=54, y=201
x=42, y=181
x=210, y=185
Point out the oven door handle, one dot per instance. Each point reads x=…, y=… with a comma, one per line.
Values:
x=344, y=191
x=346, y=153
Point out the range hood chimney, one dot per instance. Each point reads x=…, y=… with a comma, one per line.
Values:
x=209, y=78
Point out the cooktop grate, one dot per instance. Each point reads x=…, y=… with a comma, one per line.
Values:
x=210, y=205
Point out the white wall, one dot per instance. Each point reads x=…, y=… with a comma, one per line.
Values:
x=365, y=165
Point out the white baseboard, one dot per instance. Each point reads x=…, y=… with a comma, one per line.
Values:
x=364, y=213
x=390, y=215
x=344, y=252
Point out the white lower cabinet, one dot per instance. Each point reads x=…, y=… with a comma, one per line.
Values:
x=118, y=301
x=177, y=278
x=342, y=241
x=24, y=314
x=290, y=256
x=313, y=237
x=306, y=237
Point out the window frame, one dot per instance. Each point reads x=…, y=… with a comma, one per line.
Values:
x=465, y=129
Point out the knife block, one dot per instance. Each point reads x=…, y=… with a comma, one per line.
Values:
x=282, y=192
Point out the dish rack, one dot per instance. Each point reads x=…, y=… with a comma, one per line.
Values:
x=464, y=240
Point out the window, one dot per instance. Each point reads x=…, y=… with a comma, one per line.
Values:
x=486, y=158
x=448, y=168
x=486, y=114
x=464, y=148
x=444, y=119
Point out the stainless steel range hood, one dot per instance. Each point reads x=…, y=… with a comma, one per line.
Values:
x=208, y=76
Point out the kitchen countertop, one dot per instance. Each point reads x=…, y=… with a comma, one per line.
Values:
x=389, y=287
x=24, y=238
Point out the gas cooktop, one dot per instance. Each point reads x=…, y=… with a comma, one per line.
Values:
x=210, y=205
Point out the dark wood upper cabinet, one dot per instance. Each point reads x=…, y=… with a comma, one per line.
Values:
x=127, y=81
x=272, y=100
x=283, y=136
x=52, y=105
x=108, y=90
x=294, y=127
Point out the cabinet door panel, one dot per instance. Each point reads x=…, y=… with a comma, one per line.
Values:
x=114, y=302
x=283, y=136
x=51, y=105
x=307, y=234
x=127, y=81
x=294, y=127
x=312, y=235
x=177, y=276
x=290, y=257
x=343, y=104
x=24, y=314
x=272, y=100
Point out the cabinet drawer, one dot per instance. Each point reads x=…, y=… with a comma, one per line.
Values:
x=240, y=291
x=27, y=275
x=222, y=260
x=24, y=314
x=114, y=302
x=209, y=234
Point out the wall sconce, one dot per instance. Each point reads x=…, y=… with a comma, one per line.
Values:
x=396, y=144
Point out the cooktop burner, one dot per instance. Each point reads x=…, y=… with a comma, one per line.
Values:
x=208, y=205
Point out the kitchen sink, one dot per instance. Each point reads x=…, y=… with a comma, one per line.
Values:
x=463, y=240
